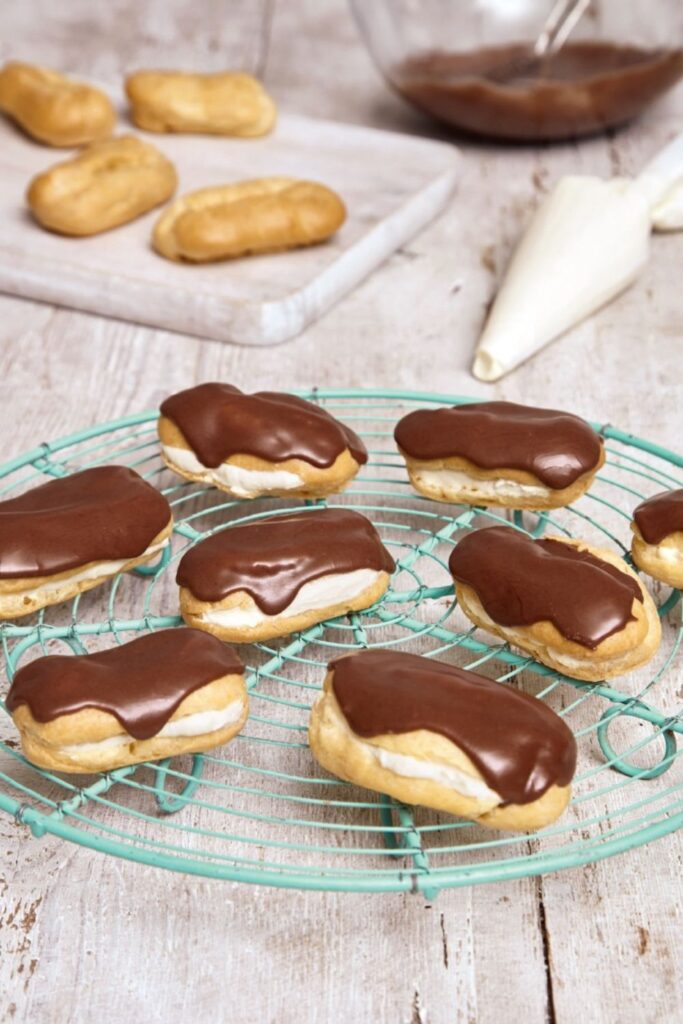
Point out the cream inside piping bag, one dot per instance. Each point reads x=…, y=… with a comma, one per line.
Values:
x=668, y=213
x=587, y=241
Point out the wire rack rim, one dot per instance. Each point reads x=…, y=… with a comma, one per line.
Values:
x=417, y=875
x=408, y=880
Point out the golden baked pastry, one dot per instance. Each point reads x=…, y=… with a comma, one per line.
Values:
x=657, y=546
x=228, y=103
x=268, y=443
x=275, y=576
x=19, y=597
x=52, y=108
x=499, y=454
x=170, y=692
x=107, y=184
x=75, y=533
x=237, y=619
x=259, y=216
x=429, y=733
x=578, y=609
x=663, y=561
x=248, y=476
x=456, y=480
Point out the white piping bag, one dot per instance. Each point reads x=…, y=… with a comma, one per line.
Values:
x=587, y=241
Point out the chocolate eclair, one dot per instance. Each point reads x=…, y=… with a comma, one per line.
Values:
x=578, y=609
x=657, y=546
x=429, y=733
x=278, y=575
x=176, y=691
x=499, y=453
x=254, y=445
x=76, y=532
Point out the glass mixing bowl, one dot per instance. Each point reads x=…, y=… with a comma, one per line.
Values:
x=471, y=63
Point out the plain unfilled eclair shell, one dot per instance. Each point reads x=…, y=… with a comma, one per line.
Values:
x=224, y=103
x=247, y=218
x=52, y=108
x=105, y=185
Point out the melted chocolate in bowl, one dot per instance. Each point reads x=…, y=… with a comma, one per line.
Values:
x=507, y=93
x=518, y=744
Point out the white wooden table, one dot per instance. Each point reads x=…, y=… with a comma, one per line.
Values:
x=84, y=937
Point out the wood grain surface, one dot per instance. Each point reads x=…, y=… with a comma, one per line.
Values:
x=84, y=937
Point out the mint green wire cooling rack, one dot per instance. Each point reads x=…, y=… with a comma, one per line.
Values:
x=260, y=809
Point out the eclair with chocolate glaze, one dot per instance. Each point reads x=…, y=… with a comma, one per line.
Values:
x=250, y=446
x=429, y=733
x=176, y=691
x=577, y=609
x=499, y=453
x=657, y=546
x=76, y=532
x=282, y=574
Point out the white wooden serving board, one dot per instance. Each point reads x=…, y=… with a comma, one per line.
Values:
x=392, y=185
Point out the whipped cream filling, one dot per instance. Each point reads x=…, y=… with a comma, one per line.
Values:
x=445, y=775
x=667, y=553
x=197, y=724
x=93, y=572
x=320, y=593
x=243, y=483
x=459, y=481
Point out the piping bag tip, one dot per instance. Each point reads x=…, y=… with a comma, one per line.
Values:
x=485, y=367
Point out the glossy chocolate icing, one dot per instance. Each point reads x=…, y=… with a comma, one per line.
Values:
x=107, y=513
x=557, y=447
x=517, y=743
x=521, y=581
x=272, y=558
x=506, y=92
x=660, y=515
x=218, y=420
x=141, y=683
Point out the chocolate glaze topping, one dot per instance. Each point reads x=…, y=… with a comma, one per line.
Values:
x=272, y=558
x=103, y=514
x=521, y=581
x=141, y=683
x=517, y=743
x=556, y=447
x=218, y=420
x=660, y=515
x=507, y=92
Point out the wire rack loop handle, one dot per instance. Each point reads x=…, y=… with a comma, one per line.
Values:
x=156, y=567
x=538, y=529
x=618, y=763
x=670, y=603
x=167, y=802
